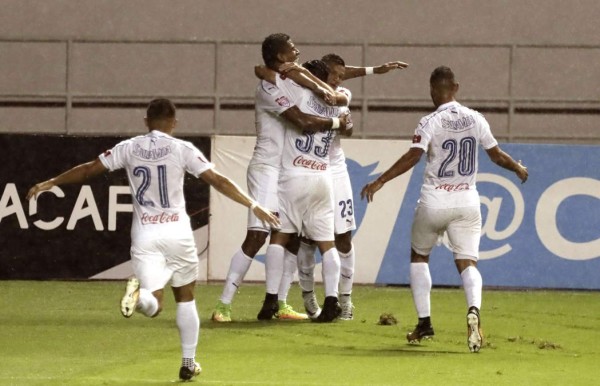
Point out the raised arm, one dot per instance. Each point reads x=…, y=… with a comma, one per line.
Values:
x=228, y=188
x=504, y=160
x=355, y=72
x=405, y=163
x=75, y=175
x=301, y=76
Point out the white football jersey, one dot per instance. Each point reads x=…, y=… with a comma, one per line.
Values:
x=270, y=102
x=156, y=164
x=306, y=152
x=337, y=158
x=451, y=136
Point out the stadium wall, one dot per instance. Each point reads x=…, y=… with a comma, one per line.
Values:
x=88, y=67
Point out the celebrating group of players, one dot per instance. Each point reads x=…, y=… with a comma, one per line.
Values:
x=300, y=195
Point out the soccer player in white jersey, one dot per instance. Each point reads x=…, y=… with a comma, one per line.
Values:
x=273, y=112
x=449, y=201
x=344, y=205
x=305, y=191
x=162, y=243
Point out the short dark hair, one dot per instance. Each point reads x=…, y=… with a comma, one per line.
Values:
x=272, y=46
x=318, y=68
x=333, y=59
x=441, y=74
x=160, y=108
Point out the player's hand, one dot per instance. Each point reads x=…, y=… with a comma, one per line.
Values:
x=326, y=95
x=346, y=121
x=522, y=172
x=389, y=66
x=41, y=187
x=266, y=216
x=370, y=189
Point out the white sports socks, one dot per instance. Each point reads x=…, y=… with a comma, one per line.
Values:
x=420, y=285
x=331, y=272
x=188, y=324
x=274, y=267
x=306, y=267
x=239, y=266
x=290, y=263
x=346, y=271
x=147, y=303
x=472, y=283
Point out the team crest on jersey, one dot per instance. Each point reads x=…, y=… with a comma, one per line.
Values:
x=416, y=139
x=283, y=101
x=107, y=153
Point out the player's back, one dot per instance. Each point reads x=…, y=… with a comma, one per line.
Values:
x=156, y=164
x=306, y=152
x=451, y=136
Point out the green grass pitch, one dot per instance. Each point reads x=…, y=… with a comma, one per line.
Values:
x=72, y=333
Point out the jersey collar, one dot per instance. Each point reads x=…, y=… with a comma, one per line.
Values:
x=447, y=105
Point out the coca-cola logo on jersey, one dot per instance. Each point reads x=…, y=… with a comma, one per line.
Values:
x=159, y=218
x=308, y=163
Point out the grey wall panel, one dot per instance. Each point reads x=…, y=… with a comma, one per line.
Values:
x=32, y=120
x=32, y=68
x=146, y=69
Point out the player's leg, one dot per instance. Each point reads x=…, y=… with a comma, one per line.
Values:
x=238, y=267
x=262, y=187
x=464, y=236
x=144, y=291
x=182, y=259
x=331, y=280
x=290, y=264
x=188, y=324
x=343, y=243
x=424, y=234
x=306, y=277
x=274, y=262
x=344, y=225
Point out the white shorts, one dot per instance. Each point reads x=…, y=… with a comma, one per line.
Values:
x=306, y=206
x=158, y=261
x=463, y=226
x=263, y=182
x=344, y=204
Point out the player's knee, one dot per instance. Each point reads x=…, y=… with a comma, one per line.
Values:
x=254, y=242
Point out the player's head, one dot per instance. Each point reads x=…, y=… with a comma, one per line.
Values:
x=318, y=68
x=278, y=48
x=160, y=115
x=337, y=69
x=442, y=85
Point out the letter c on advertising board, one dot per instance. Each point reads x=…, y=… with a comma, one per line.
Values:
x=545, y=218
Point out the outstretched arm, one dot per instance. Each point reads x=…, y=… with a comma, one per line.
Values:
x=227, y=187
x=355, y=72
x=301, y=76
x=405, y=163
x=76, y=175
x=502, y=159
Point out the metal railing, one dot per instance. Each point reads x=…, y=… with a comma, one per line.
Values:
x=218, y=101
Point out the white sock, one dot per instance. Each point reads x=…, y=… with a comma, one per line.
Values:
x=274, y=267
x=346, y=272
x=147, y=303
x=420, y=284
x=306, y=267
x=239, y=266
x=331, y=272
x=290, y=263
x=472, y=283
x=188, y=324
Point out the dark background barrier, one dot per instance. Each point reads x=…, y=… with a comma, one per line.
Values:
x=82, y=233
